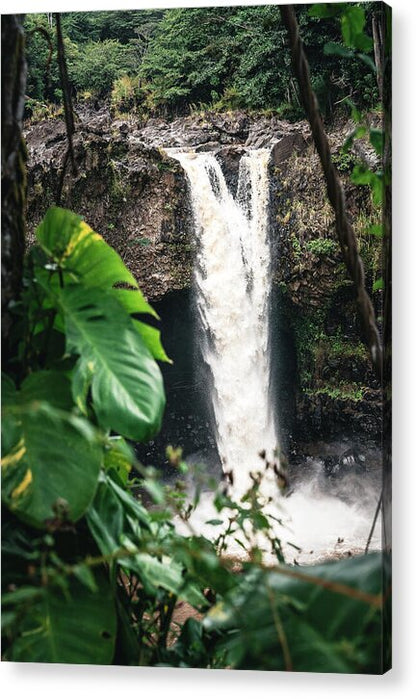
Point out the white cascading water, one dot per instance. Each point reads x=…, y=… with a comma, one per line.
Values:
x=233, y=281
x=233, y=284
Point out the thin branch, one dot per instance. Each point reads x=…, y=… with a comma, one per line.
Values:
x=69, y=114
x=370, y=536
x=280, y=631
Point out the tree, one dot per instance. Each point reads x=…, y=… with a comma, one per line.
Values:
x=13, y=174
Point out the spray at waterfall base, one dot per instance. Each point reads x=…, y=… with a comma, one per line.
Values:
x=232, y=282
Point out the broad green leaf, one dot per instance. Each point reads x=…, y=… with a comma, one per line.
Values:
x=329, y=616
x=133, y=301
x=376, y=230
x=50, y=386
x=153, y=572
x=333, y=49
x=25, y=594
x=377, y=140
x=75, y=628
x=368, y=61
x=155, y=490
x=131, y=506
x=325, y=10
x=361, y=174
x=352, y=26
x=51, y=471
x=161, y=572
x=84, y=574
x=105, y=518
x=126, y=383
x=80, y=252
x=151, y=338
x=378, y=284
x=127, y=638
x=119, y=457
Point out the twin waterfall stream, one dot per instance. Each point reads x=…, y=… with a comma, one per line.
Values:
x=233, y=286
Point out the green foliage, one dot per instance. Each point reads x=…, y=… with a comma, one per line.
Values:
x=344, y=161
x=343, y=390
x=322, y=246
x=274, y=622
x=43, y=80
x=95, y=66
x=92, y=575
x=64, y=625
x=125, y=94
x=362, y=174
x=51, y=452
x=216, y=58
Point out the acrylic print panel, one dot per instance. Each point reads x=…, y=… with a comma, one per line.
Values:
x=196, y=342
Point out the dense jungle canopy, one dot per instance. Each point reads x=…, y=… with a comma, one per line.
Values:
x=169, y=61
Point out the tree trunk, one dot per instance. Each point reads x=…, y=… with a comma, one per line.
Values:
x=13, y=170
x=378, y=27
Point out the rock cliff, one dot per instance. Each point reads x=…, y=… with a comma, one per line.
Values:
x=130, y=190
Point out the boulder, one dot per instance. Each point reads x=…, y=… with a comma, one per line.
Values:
x=283, y=149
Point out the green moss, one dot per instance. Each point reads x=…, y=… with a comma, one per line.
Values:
x=322, y=246
x=344, y=162
x=119, y=189
x=296, y=247
x=309, y=332
x=339, y=348
x=342, y=391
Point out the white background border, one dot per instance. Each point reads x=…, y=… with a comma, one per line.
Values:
x=67, y=682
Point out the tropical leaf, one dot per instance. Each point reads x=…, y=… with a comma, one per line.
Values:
x=126, y=383
x=131, y=506
x=77, y=627
x=323, y=618
x=105, y=518
x=154, y=573
x=119, y=457
x=151, y=338
x=352, y=27
x=51, y=466
x=80, y=252
x=50, y=386
x=324, y=10
x=331, y=48
x=134, y=303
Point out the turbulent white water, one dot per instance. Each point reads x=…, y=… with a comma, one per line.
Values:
x=233, y=284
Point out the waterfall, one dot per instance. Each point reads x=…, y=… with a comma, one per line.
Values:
x=232, y=282
x=232, y=279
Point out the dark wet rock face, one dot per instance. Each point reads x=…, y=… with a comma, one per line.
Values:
x=133, y=194
x=130, y=191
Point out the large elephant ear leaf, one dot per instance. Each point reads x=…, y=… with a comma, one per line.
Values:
x=79, y=252
x=78, y=626
x=135, y=304
x=125, y=381
x=51, y=470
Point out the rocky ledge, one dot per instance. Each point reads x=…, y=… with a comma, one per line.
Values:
x=128, y=188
